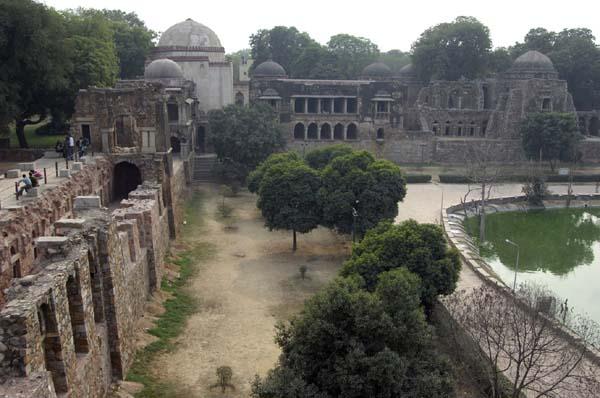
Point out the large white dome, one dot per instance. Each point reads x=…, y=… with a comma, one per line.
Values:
x=189, y=33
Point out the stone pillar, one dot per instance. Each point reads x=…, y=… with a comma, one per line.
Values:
x=319, y=105
x=331, y=105
x=345, y=110
x=305, y=105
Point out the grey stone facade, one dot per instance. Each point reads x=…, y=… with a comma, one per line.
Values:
x=405, y=120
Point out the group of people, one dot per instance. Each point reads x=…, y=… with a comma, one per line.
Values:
x=68, y=147
x=28, y=182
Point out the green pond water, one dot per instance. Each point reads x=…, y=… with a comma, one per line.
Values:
x=558, y=248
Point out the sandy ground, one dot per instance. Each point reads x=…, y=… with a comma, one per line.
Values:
x=252, y=282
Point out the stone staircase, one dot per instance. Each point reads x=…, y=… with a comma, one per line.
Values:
x=203, y=165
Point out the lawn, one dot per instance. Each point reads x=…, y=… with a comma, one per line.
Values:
x=34, y=140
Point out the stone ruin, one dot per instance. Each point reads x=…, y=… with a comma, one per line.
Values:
x=76, y=276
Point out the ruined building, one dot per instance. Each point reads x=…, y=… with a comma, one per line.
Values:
x=405, y=120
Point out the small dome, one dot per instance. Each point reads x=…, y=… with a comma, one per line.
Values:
x=377, y=69
x=189, y=33
x=163, y=69
x=269, y=69
x=407, y=70
x=533, y=61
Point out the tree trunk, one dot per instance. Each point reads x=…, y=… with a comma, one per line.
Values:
x=482, y=215
x=20, y=130
x=294, y=246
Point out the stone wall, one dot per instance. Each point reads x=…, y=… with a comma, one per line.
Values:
x=21, y=225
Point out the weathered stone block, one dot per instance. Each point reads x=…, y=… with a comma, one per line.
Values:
x=87, y=202
x=70, y=223
x=13, y=173
x=76, y=166
x=33, y=192
x=64, y=173
x=51, y=242
x=27, y=166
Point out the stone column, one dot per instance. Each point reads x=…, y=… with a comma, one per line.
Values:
x=305, y=105
x=319, y=105
x=331, y=105
x=345, y=110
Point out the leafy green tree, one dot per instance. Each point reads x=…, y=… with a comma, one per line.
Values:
x=287, y=197
x=245, y=135
x=352, y=54
x=499, y=60
x=255, y=177
x=316, y=62
x=420, y=248
x=452, y=50
x=395, y=59
x=550, y=136
x=348, y=342
x=357, y=181
x=132, y=39
x=282, y=44
x=321, y=157
x=35, y=63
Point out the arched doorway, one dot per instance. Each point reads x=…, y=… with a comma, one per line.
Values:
x=299, y=131
x=313, y=131
x=127, y=177
x=175, y=144
x=239, y=99
x=326, y=131
x=338, y=132
x=201, y=139
x=351, y=132
x=594, y=126
x=380, y=134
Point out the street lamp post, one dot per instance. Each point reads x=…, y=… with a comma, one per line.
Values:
x=354, y=217
x=516, y=264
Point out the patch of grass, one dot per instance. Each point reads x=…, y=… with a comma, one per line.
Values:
x=34, y=140
x=177, y=310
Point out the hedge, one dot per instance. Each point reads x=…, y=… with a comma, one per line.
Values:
x=417, y=178
x=462, y=179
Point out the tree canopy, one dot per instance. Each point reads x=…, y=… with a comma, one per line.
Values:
x=420, y=248
x=245, y=135
x=287, y=197
x=451, y=50
x=550, y=136
x=348, y=342
x=372, y=187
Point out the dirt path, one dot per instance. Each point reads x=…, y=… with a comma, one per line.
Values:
x=252, y=282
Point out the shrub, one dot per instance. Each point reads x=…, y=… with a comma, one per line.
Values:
x=417, y=178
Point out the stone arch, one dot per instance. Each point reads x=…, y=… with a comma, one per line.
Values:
x=313, y=131
x=175, y=144
x=380, y=133
x=594, y=127
x=338, y=132
x=351, y=132
x=325, y=131
x=239, y=98
x=299, y=131
x=127, y=177
x=77, y=314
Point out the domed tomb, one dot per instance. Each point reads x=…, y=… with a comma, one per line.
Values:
x=189, y=33
x=163, y=69
x=269, y=69
x=376, y=70
x=533, y=64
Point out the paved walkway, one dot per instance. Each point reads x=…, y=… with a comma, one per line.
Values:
x=7, y=185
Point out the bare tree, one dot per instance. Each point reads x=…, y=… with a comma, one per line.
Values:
x=483, y=171
x=518, y=340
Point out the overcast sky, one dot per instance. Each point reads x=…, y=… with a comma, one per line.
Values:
x=391, y=24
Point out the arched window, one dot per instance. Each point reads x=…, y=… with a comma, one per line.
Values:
x=483, y=128
x=459, y=130
x=127, y=177
x=435, y=127
x=173, y=112
x=338, y=132
x=313, y=131
x=447, y=130
x=175, y=144
x=472, y=129
x=326, y=131
x=351, y=132
x=299, y=131
x=239, y=98
x=380, y=134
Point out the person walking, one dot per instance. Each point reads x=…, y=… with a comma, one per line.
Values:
x=70, y=144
